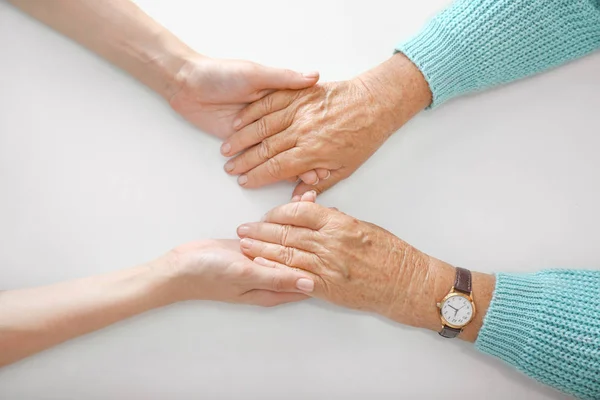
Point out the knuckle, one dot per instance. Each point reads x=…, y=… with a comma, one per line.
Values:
x=287, y=255
x=267, y=104
x=262, y=128
x=285, y=234
x=274, y=168
x=264, y=150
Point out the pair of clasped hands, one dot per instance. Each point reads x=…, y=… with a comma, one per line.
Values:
x=281, y=125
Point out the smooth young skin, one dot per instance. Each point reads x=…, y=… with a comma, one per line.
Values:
x=335, y=126
x=35, y=319
x=207, y=92
x=359, y=265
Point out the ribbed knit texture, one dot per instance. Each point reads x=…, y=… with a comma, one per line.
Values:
x=476, y=44
x=547, y=325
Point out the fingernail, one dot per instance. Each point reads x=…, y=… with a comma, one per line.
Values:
x=236, y=123
x=314, y=193
x=246, y=243
x=229, y=166
x=263, y=218
x=225, y=149
x=243, y=230
x=306, y=285
x=316, y=183
x=311, y=75
x=296, y=199
x=242, y=180
x=328, y=175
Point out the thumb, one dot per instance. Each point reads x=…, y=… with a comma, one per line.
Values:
x=278, y=78
x=320, y=187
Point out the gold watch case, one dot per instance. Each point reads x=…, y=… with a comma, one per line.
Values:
x=453, y=294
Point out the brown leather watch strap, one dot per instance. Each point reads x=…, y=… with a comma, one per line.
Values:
x=462, y=282
x=449, y=332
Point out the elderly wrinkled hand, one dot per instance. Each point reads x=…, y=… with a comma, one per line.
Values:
x=335, y=126
x=354, y=263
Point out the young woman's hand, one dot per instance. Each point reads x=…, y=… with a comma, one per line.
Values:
x=217, y=270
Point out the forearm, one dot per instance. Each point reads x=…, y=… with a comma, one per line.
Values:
x=121, y=33
x=35, y=319
x=545, y=324
x=476, y=44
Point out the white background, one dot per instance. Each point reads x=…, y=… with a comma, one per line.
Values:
x=97, y=174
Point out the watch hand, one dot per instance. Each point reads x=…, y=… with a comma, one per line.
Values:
x=451, y=307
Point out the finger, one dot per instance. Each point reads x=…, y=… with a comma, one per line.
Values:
x=302, y=214
x=279, y=78
x=267, y=298
x=296, y=199
x=310, y=177
x=320, y=187
x=318, y=281
x=310, y=196
x=256, y=132
x=285, y=235
x=282, y=254
x=269, y=104
x=281, y=279
x=313, y=177
x=280, y=167
x=259, y=154
x=323, y=173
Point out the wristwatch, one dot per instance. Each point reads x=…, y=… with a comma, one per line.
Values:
x=457, y=308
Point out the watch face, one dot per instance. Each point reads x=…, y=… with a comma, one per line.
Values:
x=457, y=311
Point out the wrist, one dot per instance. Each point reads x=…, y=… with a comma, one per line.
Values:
x=161, y=279
x=170, y=67
x=482, y=290
x=400, y=87
x=158, y=61
x=420, y=282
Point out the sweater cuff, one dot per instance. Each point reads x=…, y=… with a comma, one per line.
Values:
x=476, y=44
x=434, y=53
x=547, y=325
x=511, y=317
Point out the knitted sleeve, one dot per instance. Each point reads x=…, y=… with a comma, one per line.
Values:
x=547, y=325
x=476, y=44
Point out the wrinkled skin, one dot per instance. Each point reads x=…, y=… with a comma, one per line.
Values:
x=212, y=92
x=334, y=126
x=354, y=263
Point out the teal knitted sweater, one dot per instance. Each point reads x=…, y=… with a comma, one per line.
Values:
x=476, y=44
x=546, y=324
